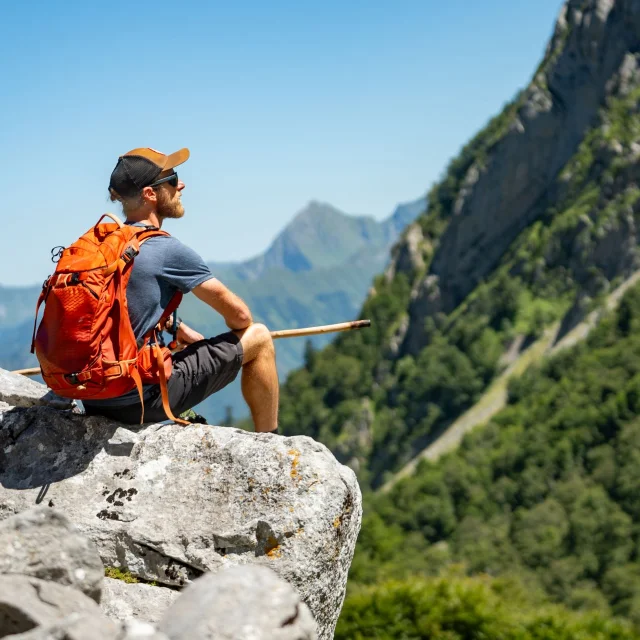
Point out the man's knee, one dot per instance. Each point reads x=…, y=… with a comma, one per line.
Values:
x=263, y=337
x=257, y=340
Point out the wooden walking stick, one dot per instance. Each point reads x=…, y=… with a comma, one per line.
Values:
x=327, y=328
x=286, y=333
x=28, y=372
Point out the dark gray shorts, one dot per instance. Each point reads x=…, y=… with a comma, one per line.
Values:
x=199, y=370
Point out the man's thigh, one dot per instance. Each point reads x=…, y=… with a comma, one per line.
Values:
x=203, y=368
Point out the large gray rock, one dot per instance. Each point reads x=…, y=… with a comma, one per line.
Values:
x=240, y=603
x=122, y=601
x=43, y=543
x=20, y=391
x=27, y=603
x=183, y=501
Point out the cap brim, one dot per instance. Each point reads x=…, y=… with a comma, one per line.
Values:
x=176, y=158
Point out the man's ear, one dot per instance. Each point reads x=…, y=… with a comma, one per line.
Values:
x=149, y=195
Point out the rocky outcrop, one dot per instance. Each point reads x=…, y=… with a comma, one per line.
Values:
x=168, y=503
x=513, y=183
x=238, y=603
x=407, y=255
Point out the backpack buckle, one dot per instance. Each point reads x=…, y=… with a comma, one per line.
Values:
x=129, y=254
x=72, y=378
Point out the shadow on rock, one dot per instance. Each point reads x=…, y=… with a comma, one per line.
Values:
x=40, y=446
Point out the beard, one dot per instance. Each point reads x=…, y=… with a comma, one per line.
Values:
x=169, y=207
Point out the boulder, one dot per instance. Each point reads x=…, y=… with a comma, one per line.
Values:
x=240, y=603
x=27, y=603
x=43, y=543
x=180, y=501
x=122, y=601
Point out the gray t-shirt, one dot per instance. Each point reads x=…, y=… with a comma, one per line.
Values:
x=163, y=266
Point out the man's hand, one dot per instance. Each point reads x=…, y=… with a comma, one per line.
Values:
x=187, y=335
x=232, y=308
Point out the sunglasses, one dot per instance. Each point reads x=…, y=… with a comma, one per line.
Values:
x=172, y=180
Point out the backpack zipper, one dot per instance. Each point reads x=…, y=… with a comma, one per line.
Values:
x=89, y=289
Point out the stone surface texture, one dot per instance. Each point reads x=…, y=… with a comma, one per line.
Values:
x=20, y=391
x=184, y=501
x=240, y=603
x=43, y=543
x=122, y=601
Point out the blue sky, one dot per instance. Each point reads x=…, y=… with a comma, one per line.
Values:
x=357, y=103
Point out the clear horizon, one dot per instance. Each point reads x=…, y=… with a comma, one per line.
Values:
x=359, y=106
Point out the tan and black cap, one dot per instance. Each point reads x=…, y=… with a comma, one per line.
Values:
x=139, y=168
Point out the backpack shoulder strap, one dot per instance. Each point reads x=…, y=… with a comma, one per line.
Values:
x=146, y=233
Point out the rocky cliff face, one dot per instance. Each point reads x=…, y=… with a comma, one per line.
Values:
x=590, y=58
x=168, y=503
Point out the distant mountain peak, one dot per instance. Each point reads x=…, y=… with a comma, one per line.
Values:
x=313, y=209
x=322, y=236
x=319, y=204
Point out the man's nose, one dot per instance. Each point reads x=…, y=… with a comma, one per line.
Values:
x=180, y=185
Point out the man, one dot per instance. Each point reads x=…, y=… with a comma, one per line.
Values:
x=144, y=181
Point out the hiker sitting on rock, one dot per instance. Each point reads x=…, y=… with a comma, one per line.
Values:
x=144, y=181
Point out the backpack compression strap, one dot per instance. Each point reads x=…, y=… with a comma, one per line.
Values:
x=155, y=348
x=164, y=391
x=175, y=301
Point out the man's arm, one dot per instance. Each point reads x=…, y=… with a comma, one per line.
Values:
x=231, y=307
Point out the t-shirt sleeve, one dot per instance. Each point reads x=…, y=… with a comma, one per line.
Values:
x=182, y=267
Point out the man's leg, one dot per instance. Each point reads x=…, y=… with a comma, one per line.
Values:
x=259, y=382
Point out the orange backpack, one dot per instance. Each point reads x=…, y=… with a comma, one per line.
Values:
x=85, y=343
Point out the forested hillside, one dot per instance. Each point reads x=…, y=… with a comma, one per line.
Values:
x=546, y=495
x=534, y=223
x=452, y=607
